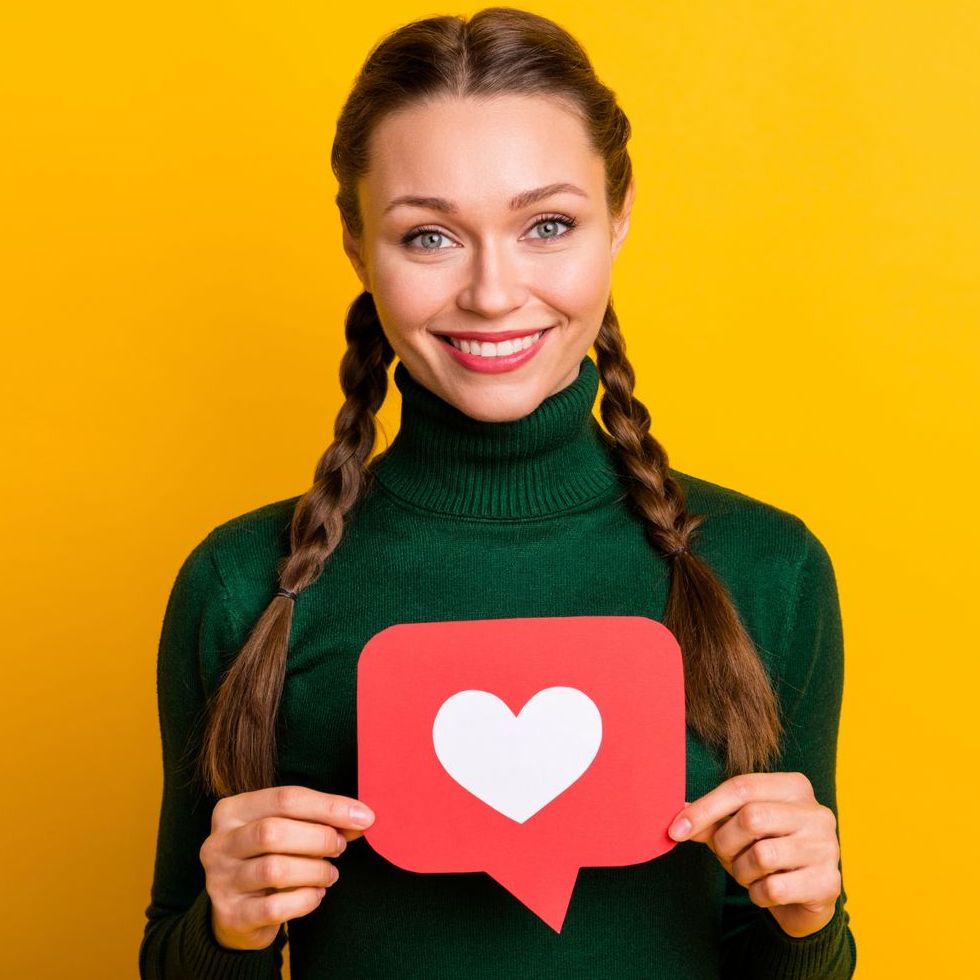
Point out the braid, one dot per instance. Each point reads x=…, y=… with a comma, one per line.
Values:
x=339, y=478
x=730, y=701
x=239, y=746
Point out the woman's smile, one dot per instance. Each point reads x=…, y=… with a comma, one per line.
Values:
x=490, y=357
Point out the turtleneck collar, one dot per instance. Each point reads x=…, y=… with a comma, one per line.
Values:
x=444, y=460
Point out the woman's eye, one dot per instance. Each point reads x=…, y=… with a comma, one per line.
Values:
x=429, y=237
x=551, y=226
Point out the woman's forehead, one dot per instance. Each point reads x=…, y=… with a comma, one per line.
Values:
x=467, y=149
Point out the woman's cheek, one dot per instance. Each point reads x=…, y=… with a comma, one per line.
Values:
x=578, y=288
x=412, y=295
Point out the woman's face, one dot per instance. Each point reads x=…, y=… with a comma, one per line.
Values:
x=454, y=245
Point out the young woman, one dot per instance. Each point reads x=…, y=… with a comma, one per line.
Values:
x=485, y=189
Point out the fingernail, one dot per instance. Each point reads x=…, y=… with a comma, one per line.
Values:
x=679, y=829
x=321, y=892
x=360, y=815
x=341, y=844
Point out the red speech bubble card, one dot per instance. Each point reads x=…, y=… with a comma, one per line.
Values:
x=525, y=748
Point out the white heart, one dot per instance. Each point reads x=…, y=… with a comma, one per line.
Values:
x=517, y=765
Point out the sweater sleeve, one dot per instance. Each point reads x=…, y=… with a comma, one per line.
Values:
x=178, y=942
x=810, y=688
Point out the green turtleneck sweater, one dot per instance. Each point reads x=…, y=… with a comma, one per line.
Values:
x=467, y=519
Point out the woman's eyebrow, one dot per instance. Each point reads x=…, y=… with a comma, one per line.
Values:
x=522, y=200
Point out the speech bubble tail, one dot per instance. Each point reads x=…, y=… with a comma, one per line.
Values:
x=546, y=891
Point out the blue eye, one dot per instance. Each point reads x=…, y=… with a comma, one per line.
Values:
x=552, y=220
x=418, y=233
x=433, y=235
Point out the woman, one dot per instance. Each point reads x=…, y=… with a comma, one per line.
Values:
x=485, y=189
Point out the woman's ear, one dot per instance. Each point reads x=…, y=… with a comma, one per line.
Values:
x=621, y=224
x=353, y=249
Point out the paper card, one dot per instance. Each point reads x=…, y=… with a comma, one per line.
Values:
x=525, y=748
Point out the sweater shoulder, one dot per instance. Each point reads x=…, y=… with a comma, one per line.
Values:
x=246, y=548
x=721, y=500
x=763, y=553
x=238, y=531
x=734, y=519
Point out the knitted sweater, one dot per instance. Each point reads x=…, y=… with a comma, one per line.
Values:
x=467, y=519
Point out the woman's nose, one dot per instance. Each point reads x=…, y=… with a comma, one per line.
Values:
x=494, y=282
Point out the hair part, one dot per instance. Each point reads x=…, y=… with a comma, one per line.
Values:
x=730, y=702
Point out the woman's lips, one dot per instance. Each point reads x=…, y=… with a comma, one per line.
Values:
x=495, y=364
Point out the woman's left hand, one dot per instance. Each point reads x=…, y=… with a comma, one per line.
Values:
x=772, y=836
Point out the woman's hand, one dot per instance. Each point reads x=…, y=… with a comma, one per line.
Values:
x=264, y=859
x=772, y=836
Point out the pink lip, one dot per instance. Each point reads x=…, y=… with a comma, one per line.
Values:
x=494, y=338
x=495, y=365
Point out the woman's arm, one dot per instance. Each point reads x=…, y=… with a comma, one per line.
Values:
x=776, y=833
x=811, y=687
x=178, y=943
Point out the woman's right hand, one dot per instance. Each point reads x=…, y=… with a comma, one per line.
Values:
x=264, y=860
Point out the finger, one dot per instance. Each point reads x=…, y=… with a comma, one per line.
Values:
x=794, y=851
x=809, y=823
x=726, y=798
x=279, y=835
x=295, y=802
x=279, y=871
x=260, y=911
x=753, y=822
x=809, y=885
x=773, y=855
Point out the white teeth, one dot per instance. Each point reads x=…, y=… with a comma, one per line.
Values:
x=485, y=349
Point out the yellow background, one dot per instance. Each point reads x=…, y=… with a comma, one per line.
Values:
x=799, y=294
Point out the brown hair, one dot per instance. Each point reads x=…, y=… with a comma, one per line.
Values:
x=730, y=702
